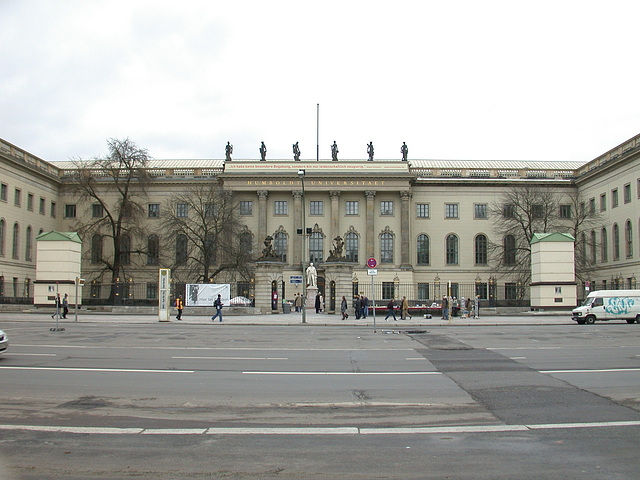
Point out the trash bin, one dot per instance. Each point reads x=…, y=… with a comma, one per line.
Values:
x=286, y=308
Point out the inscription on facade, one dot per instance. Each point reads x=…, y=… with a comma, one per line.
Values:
x=355, y=183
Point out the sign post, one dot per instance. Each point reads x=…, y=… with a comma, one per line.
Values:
x=164, y=300
x=372, y=264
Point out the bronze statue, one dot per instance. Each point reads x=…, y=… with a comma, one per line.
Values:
x=228, y=150
x=263, y=152
x=405, y=151
x=296, y=152
x=336, y=254
x=334, y=151
x=267, y=251
x=370, y=151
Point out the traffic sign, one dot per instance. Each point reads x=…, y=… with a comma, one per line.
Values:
x=372, y=271
x=371, y=263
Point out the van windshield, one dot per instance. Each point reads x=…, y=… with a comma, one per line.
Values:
x=588, y=301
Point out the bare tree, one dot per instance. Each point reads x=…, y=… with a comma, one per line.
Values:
x=203, y=223
x=113, y=190
x=526, y=209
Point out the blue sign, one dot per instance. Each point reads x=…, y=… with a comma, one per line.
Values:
x=295, y=278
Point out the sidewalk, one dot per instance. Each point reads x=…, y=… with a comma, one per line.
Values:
x=313, y=319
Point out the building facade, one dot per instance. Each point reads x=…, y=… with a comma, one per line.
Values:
x=428, y=223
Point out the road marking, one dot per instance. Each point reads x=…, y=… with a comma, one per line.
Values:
x=233, y=358
x=264, y=349
x=13, y=354
x=416, y=358
x=603, y=370
x=518, y=358
x=444, y=429
x=104, y=370
x=341, y=373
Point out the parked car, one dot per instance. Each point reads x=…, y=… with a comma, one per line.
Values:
x=4, y=341
x=609, y=305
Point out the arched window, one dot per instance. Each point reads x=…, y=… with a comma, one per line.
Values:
x=316, y=247
x=246, y=243
x=593, y=247
x=16, y=235
x=386, y=248
x=181, y=249
x=2, y=236
x=604, y=246
x=481, y=250
x=351, y=247
x=280, y=245
x=509, y=250
x=153, y=250
x=125, y=249
x=616, y=242
x=452, y=249
x=423, y=249
x=628, y=235
x=210, y=249
x=28, y=245
x=96, y=248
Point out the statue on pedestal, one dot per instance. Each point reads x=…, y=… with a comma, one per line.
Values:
x=263, y=152
x=334, y=151
x=336, y=255
x=228, y=150
x=312, y=275
x=267, y=252
x=370, y=151
x=296, y=152
x=405, y=151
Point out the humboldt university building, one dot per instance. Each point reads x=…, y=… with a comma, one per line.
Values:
x=429, y=224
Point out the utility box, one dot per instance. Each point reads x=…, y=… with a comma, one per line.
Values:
x=553, y=278
x=58, y=265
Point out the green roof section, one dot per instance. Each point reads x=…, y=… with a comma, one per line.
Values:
x=54, y=236
x=552, y=237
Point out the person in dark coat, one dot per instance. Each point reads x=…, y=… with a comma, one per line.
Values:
x=391, y=305
x=358, y=307
x=317, y=303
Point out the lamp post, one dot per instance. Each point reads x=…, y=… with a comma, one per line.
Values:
x=301, y=173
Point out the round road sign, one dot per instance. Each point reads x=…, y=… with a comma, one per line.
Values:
x=371, y=263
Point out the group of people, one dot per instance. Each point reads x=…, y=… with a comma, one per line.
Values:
x=62, y=306
x=404, y=309
x=360, y=307
x=451, y=306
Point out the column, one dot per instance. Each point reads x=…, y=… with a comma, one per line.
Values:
x=296, y=240
x=405, y=234
x=370, y=234
x=262, y=215
x=335, y=215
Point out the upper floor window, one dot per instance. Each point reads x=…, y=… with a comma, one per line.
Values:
x=351, y=247
x=70, y=211
x=386, y=248
x=153, y=210
x=565, y=211
x=17, y=197
x=316, y=208
x=153, y=250
x=422, y=210
x=509, y=210
x=42, y=206
x=351, y=207
x=452, y=249
x=30, y=202
x=603, y=202
x=316, y=247
x=480, y=210
x=423, y=249
x=97, y=211
x=246, y=207
x=537, y=211
x=509, y=250
x=451, y=210
x=481, y=250
x=627, y=193
x=614, y=198
x=280, y=207
x=182, y=210
x=4, y=192
x=280, y=245
x=386, y=208
x=53, y=209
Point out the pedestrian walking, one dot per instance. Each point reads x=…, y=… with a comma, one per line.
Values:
x=58, y=303
x=317, y=303
x=364, y=301
x=390, y=306
x=218, y=305
x=179, y=307
x=65, y=305
x=357, y=306
x=405, y=309
x=297, y=302
x=445, y=308
x=343, y=308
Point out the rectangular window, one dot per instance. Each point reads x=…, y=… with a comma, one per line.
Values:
x=509, y=211
x=30, y=202
x=4, y=188
x=97, y=211
x=451, y=210
x=53, y=209
x=603, y=202
x=182, y=210
x=17, y=197
x=627, y=193
x=152, y=291
x=422, y=210
x=351, y=208
x=565, y=211
x=592, y=206
x=537, y=211
x=614, y=198
x=210, y=210
x=42, y=206
x=316, y=208
x=246, y=207
x=481, y=291
x=70, y=211
x=386, y=208
x=480, y=210
x=154, y=210
x=510, y=291
x=280, y=207
x=388, y=290
x=423, y=291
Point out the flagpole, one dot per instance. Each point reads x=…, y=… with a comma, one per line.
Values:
x=318, y=132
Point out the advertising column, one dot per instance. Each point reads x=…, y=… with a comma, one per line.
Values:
x=164, y=294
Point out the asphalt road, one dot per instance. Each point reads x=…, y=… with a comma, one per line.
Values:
x=181, y=401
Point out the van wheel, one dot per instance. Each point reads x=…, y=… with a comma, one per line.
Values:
x=590, y=320
x=631, y=320
x=637, y=318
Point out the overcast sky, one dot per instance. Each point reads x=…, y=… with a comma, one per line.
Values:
x=529, y=80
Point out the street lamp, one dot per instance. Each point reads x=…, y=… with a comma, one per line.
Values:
x=301, y=173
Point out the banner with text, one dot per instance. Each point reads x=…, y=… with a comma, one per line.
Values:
x=204, y=294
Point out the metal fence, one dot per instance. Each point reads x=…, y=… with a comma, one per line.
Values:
x=16, y=290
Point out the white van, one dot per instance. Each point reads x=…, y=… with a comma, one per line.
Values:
x=609, y=305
